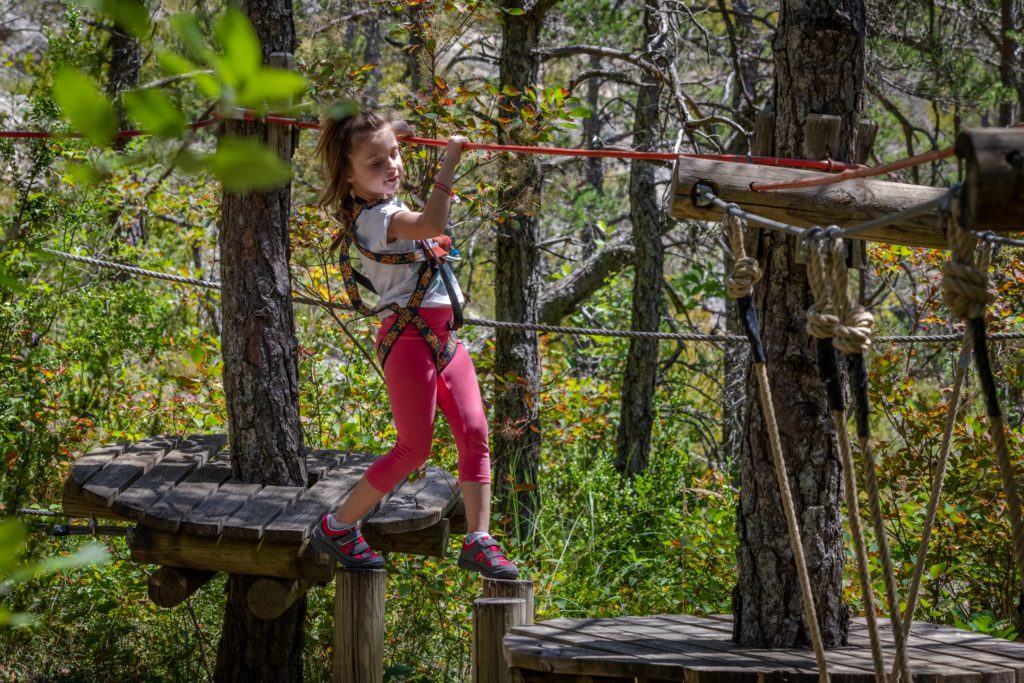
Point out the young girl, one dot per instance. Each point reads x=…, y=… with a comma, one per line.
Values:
x=425, y=367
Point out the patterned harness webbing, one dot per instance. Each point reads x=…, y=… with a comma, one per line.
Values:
x=443, y=353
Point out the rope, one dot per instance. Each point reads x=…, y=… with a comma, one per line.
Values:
x=967, y=293
x=504, y=324
x=740, y=286
x=852, y=336
x=824, y=311
x=853, y=173
x=959, y=376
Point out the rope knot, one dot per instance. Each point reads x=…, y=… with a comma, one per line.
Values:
x=853, y=333
x=745, y=274
x=965, y=286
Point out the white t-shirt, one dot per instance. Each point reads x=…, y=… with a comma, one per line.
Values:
x=395, y=283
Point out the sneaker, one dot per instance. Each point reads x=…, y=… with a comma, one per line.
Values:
x=484, y=555
x=346, y=546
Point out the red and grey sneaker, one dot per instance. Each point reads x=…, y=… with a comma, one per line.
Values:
x=484, y=555
x=347, y=546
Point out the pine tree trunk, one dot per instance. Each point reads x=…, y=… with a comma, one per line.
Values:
x=260, y=378
x=819, y=62
x=122, y=75
x=517, y=369
x=637, y=409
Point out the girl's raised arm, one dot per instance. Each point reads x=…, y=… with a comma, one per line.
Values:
x=431, y=222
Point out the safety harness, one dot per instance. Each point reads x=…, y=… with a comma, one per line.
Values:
x=431, y=259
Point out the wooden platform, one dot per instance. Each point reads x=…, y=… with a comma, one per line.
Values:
x=193, y=514
x=700, y=650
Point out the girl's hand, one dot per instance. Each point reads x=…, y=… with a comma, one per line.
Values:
x=456, y=142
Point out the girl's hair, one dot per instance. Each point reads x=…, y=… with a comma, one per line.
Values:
x=338, y=137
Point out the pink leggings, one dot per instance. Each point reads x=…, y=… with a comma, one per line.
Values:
x=415, y=391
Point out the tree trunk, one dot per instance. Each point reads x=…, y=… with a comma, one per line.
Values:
x=260, y=378
x=819, y=62
x=637, y=409
x=517, y=368
x=122, y=75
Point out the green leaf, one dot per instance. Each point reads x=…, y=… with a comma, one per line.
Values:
x=88, y=109
x=580, y=112
x=342, y=110
x=173, y=62
x=86, y=174
x=242, y=56
x=189, y=161
x=191, y=35
x=155, y=112
x=129, y=15
x=271, y=86
x=12, y=543
x=514, y=11
x=244, y=164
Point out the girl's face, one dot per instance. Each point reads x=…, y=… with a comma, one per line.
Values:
x=375, y=165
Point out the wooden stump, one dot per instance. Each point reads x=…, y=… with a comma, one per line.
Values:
x=500, y=588
x=359, y=626
x=171, y=586
x=492, y=619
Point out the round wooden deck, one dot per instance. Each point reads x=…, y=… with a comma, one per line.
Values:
x=700, y=650
x=193, y=514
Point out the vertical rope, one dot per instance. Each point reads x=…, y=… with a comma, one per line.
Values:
x=821, y=323
x=966, y=290
x=746, y=273
x=959, y=375
x=852, y=336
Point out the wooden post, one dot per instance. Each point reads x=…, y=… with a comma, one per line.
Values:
x=269, y=597
x=492, y=619
x=994, y=184
x=523, y=590
x=359, y=626
x=821, y=136
x=864, y=142
x=764, y=133
x=171, y=586
x=282, y=136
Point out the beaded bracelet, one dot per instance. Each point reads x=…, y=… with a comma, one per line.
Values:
x=444, y=188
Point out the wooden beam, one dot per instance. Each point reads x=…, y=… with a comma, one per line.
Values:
x=268, y=597
x=994, y=183
x=171, y=586
x=844, y=204
x=359, y=625
x=492, y=619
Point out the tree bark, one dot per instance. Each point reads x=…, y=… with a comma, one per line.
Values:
x=517, y=368
x=122, y=74
x=260, y=378
x=633, y=448
x=819, y=61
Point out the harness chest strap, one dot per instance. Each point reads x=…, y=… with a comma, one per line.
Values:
x=431, y=263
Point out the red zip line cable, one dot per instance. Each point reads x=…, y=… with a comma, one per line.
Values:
x=850, y=174
x=826, y=165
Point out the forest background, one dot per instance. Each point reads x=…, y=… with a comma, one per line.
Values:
x=89, y=357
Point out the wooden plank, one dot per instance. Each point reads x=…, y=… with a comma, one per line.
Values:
x=75, y=505
x=844, y=204
x=89, y=465
x=166, y=514
x=418, y=504
x=207, y=518
x=249, y=520
x=150, y=546
x=924, y=670
x=320, y=462
x=293, y=525
x=191, y=452
x=119, y=473
x=432, y=541
x=539, y=655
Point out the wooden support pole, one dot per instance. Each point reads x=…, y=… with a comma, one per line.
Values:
x=171, y=586
x=281, y=136
x=268, y=597
x=492, y=619
x=359, y=626
x=844, y=204
x=994, y=184
x=523, y=590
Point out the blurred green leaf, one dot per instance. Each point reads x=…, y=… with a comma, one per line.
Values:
x=243, y=55
x=187, y=27
x=88, y=109
x=271, y=86
x=129, y=15
x=342, y=110
x=173, y=62
x=244, y=164
x=155, y=111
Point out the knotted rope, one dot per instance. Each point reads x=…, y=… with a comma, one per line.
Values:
x=959, y=375
x=967, y=292
x=740, y=286
x=821, y=323
x=852, y=336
